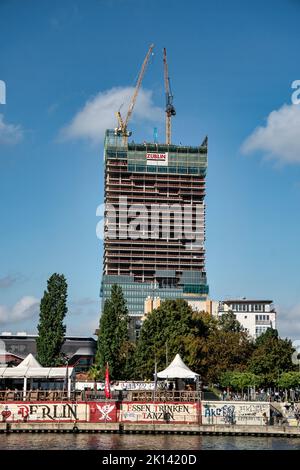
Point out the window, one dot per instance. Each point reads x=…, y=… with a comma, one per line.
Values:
x=260, y=329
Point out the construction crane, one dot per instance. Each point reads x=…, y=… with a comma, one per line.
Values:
x=170, y=110
x=122, y=129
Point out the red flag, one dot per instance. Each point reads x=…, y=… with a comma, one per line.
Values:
x=107, y=384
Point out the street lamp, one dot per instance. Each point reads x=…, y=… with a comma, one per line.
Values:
x=200, y=387
x=66, y=381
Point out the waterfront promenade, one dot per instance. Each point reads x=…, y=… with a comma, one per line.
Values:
x=151, y=428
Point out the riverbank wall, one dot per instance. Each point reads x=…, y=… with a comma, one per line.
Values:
x=135, y=428
x=206, y=417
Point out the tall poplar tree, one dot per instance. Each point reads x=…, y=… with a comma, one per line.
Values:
x=113, y=345
x=51, y=326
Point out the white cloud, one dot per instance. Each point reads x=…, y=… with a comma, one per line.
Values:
x=7, y=281
x=98, y=113
x=26, y=307
x=84, y=301
x=84, y=306
x=9, y=133
x=83, y=316
x=86, y=325
x=289, y=322
x=280, y=137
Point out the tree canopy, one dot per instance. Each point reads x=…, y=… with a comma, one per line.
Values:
x=226, y=351
x=229, y=323
x=289, y=380
x=220, y=350
x=113, y=345
x=51, y=329
x=170, y=329
x=240, y=380
x=209, y=346
x=271, y=356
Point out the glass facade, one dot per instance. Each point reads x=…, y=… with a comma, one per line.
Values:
x=136, y=293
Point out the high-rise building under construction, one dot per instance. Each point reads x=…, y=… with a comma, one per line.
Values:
x=154, y=221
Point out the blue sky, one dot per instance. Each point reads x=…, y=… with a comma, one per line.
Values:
x=231, y=65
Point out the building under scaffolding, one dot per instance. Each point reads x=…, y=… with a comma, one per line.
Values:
x=154, y=221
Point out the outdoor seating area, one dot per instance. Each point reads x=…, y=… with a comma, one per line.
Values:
x=37, y=382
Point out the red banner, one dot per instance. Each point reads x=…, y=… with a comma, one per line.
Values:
x=101, y=412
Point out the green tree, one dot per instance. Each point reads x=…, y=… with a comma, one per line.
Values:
x=272, y=355
x=226, y=351
x=170, y=329
x=240, y=380
x=51, y=329
x=289, y=380
x=226, y=379
x=113, y=345
x=94, y=373
x=228, y=322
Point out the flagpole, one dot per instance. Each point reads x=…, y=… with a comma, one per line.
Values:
x=155, y=377
x=107, y=383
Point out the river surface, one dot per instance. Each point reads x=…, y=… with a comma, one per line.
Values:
x=142, y=442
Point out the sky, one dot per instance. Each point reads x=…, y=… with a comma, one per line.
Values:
x=69, y=65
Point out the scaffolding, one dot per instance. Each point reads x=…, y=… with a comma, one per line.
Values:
x=153, y=176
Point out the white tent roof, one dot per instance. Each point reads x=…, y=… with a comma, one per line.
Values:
x=30, y=368
x=29, y=361
x=35, y=372
x=177, y=370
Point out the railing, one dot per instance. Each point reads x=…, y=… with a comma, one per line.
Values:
x=39, y=395
x=91, y=395
x=247, y=397
x=165, y=395
x=130, y=395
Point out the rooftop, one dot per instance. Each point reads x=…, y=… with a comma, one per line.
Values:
x=247, y=301
x=23, y=334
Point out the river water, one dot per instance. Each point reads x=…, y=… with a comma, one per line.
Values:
x=142, y=442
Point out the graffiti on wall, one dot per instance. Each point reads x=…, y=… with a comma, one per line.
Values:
x=237, y=413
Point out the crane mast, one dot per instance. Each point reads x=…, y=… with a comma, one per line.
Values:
x=170, y=110
x=122, y=124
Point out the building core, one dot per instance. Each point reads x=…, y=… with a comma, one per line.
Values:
x=154, y=227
